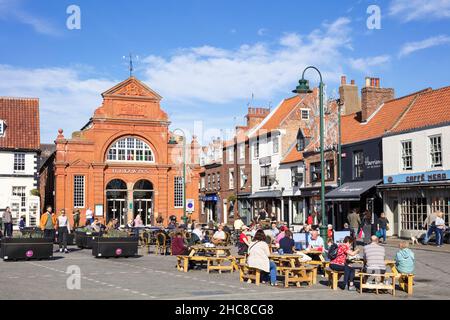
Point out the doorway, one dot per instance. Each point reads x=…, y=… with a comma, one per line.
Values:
x=116, y=201
x=143, y=201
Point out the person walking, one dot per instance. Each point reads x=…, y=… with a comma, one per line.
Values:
x=7, y=221
x=367, y=226
x=63, y=229
x=430, y=226
x=76, y=218
x=48, y=224
x=89, y=215
x=383, y=226
x=440, y=228
x=354, y=221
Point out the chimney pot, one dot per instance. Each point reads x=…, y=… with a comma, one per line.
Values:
x=367, y=82
x=352, y=82
x=343, y=80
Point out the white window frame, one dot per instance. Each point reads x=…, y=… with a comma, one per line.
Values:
x=231, y=179
x=2, y=128
x=241, y=176
x=76, y=199
x=122, y=146
x=404, y=156
x=230, y=153
x=432, y=152
x=256, y=150
x=301, y=115
x=178, y=192
x=276, y=142
x=18, y=163
x=242, y=151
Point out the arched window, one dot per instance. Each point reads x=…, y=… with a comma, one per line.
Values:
x=143, y=185
x=116, y=185
x=130, y=149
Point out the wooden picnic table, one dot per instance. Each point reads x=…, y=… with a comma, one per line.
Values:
x=213, y=251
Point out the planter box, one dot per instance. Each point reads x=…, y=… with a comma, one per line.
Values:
x=83, y=240
x=114, y=247
x=26, y=249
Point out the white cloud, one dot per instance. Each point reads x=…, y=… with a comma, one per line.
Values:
x=10, y=10
x=411, y=47
x=367, y=64
x=215, y=75
x=262, y=32
x=66, y=100
x=410, y=10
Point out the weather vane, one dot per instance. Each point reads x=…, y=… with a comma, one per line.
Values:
x=131, y=66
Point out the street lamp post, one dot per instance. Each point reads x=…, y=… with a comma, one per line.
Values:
x=303, y=88
x=184, y=173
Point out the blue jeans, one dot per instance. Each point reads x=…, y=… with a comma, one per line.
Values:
x=439, y=236
x=273, y=273
x=383, y=234
x=430, y=231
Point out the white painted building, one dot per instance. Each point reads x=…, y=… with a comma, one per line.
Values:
x=416, y=164
x=19, y=154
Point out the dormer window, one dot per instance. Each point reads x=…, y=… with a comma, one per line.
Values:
x=2, y=128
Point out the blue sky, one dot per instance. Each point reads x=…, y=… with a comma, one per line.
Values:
x=207, y=58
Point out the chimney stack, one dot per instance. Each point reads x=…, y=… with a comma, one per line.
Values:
x=373, y=96
x=349, y=97
x=255, y=116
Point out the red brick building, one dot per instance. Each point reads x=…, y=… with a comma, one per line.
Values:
x=124, y=161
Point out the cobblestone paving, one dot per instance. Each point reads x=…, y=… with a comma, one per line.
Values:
x=155, y=277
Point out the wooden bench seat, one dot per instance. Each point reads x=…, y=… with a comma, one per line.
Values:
x=333, y=277
x=299, y=275
x=183, y=261
x=249, y=273
x=237, y=260
x=379, y=283
x=406, y=282
x=217, y=263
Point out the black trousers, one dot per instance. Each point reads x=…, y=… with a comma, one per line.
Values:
x=62, y=237
x=8, y=229
x=49, y=234
x=349, y=272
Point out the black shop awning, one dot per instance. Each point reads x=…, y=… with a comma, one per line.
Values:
x=351, y=191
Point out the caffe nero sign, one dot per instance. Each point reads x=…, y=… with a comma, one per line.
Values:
x=422, y=177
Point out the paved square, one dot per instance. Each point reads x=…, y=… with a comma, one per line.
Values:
x=155, y=277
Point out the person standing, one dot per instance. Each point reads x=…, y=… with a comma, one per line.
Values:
x=354, y=221
x=382, y=225
x=430, y=225
x=440, y=228
x=63, y=228
x=89, y=215
x=367, y=226
x=48, y=224
x=7, y=221
x=76, y=218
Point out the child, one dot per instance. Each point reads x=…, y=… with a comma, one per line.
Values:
x=404, y=259
x=330, y=232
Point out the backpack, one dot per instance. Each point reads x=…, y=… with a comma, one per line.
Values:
x=333, y=251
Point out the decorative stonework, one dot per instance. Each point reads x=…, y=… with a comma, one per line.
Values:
x=133, y=89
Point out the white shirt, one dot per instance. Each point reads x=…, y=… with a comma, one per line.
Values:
x=63, y=221
x=439, y=222
x=199, y=233
x=88, y=214
x=238, y=224
x=219, y=235
x=316, y=243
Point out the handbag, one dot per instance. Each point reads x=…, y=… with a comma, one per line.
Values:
x=378, y=234
x=387, y=227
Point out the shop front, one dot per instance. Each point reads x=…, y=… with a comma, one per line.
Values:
x=410, y=198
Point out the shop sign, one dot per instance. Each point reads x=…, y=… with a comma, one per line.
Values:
x=130, y=171
x=422, y=177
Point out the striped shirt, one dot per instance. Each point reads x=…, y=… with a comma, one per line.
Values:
x=374, y=254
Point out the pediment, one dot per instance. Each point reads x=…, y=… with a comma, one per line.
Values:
x=79, y=163
x=132, y=88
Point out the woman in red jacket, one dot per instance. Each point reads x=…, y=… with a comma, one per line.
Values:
x=179, y=248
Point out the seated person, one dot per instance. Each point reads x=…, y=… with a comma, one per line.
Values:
x=258, y=257
x=281, y=234
x=198, y=232
x=243, y=242
x=138, y=223
x=172, y=225
x=226, y=229
x=287, y=244
x=316, y=241
x=339, y=263
x=178, y=246
x=130, y=224
x=374, y=257
x=274, y=230
x=404, y=259
x=219, y=235
x=160, y=222
x=96, y=225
